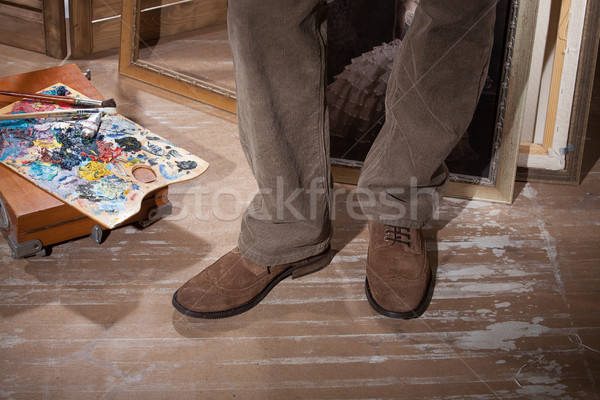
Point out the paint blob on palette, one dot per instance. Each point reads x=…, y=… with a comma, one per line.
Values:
x=105, y=177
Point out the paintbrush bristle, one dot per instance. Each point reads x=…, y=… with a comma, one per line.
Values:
x=109, y=103
x=109, y=110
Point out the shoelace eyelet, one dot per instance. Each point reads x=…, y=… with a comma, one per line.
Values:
x=399, y=235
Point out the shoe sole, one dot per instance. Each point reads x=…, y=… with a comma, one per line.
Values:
x=414, y=313
x=297, y=271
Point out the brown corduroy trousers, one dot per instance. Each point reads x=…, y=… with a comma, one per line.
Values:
x=279, y=52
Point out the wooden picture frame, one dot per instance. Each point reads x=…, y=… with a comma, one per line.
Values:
x=132, y=66
x=510, y=117
x=576, y=124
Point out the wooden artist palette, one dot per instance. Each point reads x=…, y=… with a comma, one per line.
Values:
x=106, y=177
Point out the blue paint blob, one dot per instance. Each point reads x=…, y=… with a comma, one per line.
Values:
x=186, y=165
x=173, y=153
x=43, y=172
x=166, y=174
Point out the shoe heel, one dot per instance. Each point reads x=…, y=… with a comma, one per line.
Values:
x=314, y=266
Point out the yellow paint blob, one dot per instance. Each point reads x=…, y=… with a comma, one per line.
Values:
x=94, y=170
x=47, y=144
x=131, y=162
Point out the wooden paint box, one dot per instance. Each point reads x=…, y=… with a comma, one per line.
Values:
x=31, y=219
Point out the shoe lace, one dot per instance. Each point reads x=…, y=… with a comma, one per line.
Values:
x=400, y=235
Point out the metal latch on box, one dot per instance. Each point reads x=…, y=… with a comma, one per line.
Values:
x=4, y=220
x=27, y=249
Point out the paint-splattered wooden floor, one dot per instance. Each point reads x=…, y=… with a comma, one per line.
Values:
x=515, y=314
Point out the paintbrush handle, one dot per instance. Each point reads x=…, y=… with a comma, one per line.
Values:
x=78, y=112
x=55, y=99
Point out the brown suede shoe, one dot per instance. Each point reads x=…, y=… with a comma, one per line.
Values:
x=234, y=284
x=399, y=282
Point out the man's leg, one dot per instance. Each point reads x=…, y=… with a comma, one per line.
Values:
x=432, y=94
x=279, y=57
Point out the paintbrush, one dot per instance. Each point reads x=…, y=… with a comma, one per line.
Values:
x=62, y=99
x=75, y=112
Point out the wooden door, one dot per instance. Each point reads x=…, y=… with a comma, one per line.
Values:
x=37, y=25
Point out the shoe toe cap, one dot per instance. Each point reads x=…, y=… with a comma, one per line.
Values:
x=399, y=294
